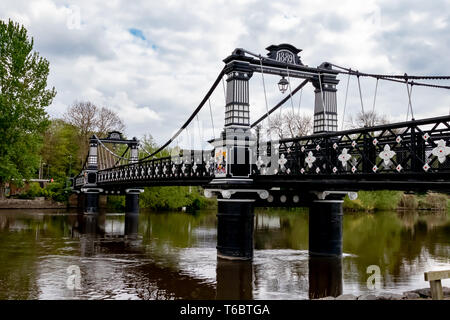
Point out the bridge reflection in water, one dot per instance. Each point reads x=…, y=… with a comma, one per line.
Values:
x=172, y=256
x=325, y=277
x=234, y=279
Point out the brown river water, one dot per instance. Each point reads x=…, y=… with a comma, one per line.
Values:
x=172, y=255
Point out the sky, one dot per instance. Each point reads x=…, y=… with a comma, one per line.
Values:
x=152, y=62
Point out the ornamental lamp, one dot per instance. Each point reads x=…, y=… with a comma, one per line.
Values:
x=283, y=85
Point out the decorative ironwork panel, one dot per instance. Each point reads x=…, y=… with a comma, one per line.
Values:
x=415, y=147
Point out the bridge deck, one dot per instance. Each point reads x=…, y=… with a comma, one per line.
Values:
x=406, y=156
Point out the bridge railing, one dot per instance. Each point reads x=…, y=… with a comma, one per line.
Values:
x=413, y=147
x=191, y=165
x=410, y=150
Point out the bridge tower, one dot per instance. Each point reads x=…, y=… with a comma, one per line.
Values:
x=132, y=195
x=233, y=158
x=90, y=190
x=325, y=102
x=235, y=154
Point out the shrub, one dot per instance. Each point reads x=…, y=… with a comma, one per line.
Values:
x=34, y=190
x=409, y=201
x=436, y=201
x=373, y=201
x=116, y=203
x=174, y=198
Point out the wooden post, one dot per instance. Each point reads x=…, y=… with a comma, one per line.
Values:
x=435, y=278
x=436, y=290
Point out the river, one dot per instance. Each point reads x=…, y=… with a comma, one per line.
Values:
x=172, y=255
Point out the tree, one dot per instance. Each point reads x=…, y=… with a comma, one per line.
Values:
x=59, y=150
x=108, y=120
x=23, y=98
x=90, y=119
x=83, y=116
x=289, y=125
x=368, y=119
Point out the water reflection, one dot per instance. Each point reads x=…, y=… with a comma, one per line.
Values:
x=325, y=277
x=132, y=226
x=234, y=280
x=172, y=255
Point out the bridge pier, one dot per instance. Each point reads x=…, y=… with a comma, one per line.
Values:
x=131, y=226
x=325, y=225
x=91, y=201
x=235, y=229
x=132, y=201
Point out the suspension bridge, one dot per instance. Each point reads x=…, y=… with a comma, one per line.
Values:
x=245, y=171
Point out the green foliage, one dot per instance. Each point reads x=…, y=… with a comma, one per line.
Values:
x=55, y=191
x=116, y=203
x=149, y=145
x=60, y=150
x=34, y=190
x=374, y=201
x=23, y=98
x=172, y=198
x=391, y=200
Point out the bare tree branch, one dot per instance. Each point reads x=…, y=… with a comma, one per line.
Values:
x=90, y=119
x=289, y=124
x=368, y=119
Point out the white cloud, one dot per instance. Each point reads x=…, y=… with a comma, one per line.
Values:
x=156, y=82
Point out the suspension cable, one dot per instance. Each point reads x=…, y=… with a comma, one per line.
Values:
x=375, y=96
x=282, y=101
x=107, y=149
x=265, y=94
x=128, y=147
x=100, y=159
x=290, y=91
x=224, y=91
x=393, y=76
x=409, y=102
x=299, y=102
x=360, y=97
x=188, y=121
x=189, y=140
x=142, y=148
x=322, y=95
x=212, y=121
x=388, y=78
x=345, y=103
x=199, y=132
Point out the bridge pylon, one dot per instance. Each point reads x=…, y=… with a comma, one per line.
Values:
x=233, y=164
x=237, y=155
x=132, y=201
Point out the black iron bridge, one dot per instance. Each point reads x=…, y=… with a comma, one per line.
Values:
x=243, y=170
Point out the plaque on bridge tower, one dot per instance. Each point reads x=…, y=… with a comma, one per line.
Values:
x=285, y=53
x=114, y=135
x=220, y=160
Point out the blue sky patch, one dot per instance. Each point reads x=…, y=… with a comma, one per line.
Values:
x=137, y=33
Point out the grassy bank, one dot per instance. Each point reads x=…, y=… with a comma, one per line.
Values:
x=192, y=198
x=369, y=201
x=167, y=198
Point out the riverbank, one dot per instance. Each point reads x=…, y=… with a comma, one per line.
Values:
x=176, y=198
x=37, y=203
x=419, y=294
x=384, y=200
